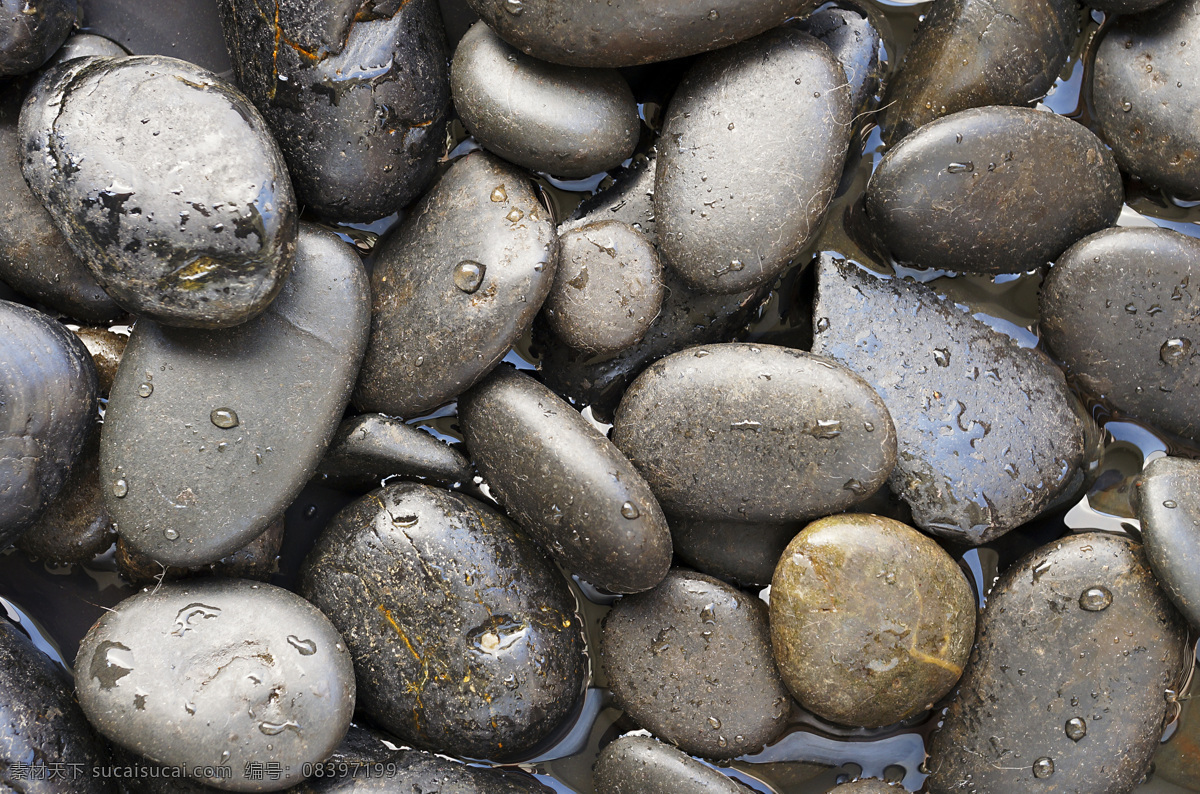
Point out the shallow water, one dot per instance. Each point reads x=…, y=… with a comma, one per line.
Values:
x=56, y=605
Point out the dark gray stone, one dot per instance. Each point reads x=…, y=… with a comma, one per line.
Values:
x=1169, y=510
x=972, y=53
x=1146, y=95
x=637, y=765
x=739, y=552
x=867, y=786
x=627, y=33
x=871, y=621
x=31, y=32
x=218, y=673
x=257, y=560
x=780, y=98
x=34, y=256
x=47, y=407
x=85, y=45
x=1120, y=308
x=691, y=662
x=357, y=94
x=987, y=433
x=369, y=447
x=712, y=427
x=565, y=121
x=993, y=190
x=1065, y=688
x=567, y=484
x=176, y=197
x=608, y=288
x=424, y=773
x=210, y=435
x=464, y=635
x=454, y=286
x=854, y=34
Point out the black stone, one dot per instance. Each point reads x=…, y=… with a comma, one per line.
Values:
x=210, y=435
x=567, y=484
x=742, y=553
x=1169, y=510
x=258, y=560
x=356, y=92
x=176, y=197
x=31, y=32
x=464, y=635
x=369, y=447
x=637, y=765
x=854, y=34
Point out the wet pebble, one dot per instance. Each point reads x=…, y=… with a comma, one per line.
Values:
x=871, y=621
x=1120, y=309
x=608, y=288
x=1146, y=94
x=580, y=33
x=86, y=45
x=565, y=121
x=1075, y=635
x=258, y=560
x=218, y=673
x=357, y=94
x=636, y=765
x=30, y=32
x=177, y=199
x=742, y=553
x=47, y=406
x=464, y=635
x=424, y=773
x=870, y=785
x=690, y=661
x=711, y=427
x=41, y=725
x=370, y=447
x=781, y=97
x=209, y=435
x=987, y=432
x=106, y=348
x=1178, y=758
x=1024, y=186
x=567, y=484
x=1169, y=510
x=972, y=53
x=854, y=34
x=456, y=284
x=34, y=255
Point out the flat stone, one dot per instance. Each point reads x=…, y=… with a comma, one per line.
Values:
x=368, y=448
x=1169, y=510
x=739, y=552
x=258, y=560
x=853, y=32
x=30, y=33
x=636, y=764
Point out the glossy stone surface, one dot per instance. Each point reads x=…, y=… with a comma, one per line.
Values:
x=31, y=32
x=1169, y=510
x=638, y=764
x=369, y=447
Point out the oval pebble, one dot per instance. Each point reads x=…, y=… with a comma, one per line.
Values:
x=356, y=94
x=86, y=45
x=871, y=621
x=1169, y=510
x=972, y=53
x=47, y=407
x=711, y=427
x=564, y=121
x=1043, y=659
x=456, y=284
x=867, y=786
x=781, y=96
x=209, y=435
x=690, y=661
x=1120, y=309
x=636, y=765
x=1024, y=186
x=188, y=229
x=1146, y=95
x=608, y=288
x=853, y=33
x=31, y=32
x=368, y=448
x=583, y=33
x=464, y=635
x=218, y=673
x=41, y=725
x=567, y=484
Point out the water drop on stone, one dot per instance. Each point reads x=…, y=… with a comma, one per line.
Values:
x=224, y=418
x=145, y=390
x=854, y=486
x=305, y=647
x=1076, y=729
x=1170, y=504
x=120, y=488
x=709, y=614
x=1175, y=351
x=736, y=265
x=170, y=534
x=500, y=194
x=941, y=356
x=869, y=427
x=715, y=723
x=960, y=168
x=1126, y=106
x=1130, y=308
x=468, y=275
x=822, y=325
x=714, y=14
x=404, y=521
x=1043, y=767
x=629, y=510
x=276, y=728
x=1095, y=599
x=514, y=215
x=310, y=511
x=189, y=707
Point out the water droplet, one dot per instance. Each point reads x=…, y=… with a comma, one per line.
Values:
x=714, y=14
x=1095, y=599
x=629, y=510
x=224, y=418
x=960, y=168
x=660, y=643
x=869, y=427
x=822, y=325
x=171, y=534
x=709, y=614
x=189, y=707
x=1126, y=106
x=224, y=756
x=468, y=275
x=1130, y=308
x=942, y=356
x=825, y=428
x=1175, y=351
x=853, y=486
x=183, y=618
x=745, y=424
x=500, y=194
x=736, y=265
x=404, y=521
x=1043, y=767
x=145, y=390
x=310, y=511
x=120, y=488
x=730, y=127
x=305, y=647
x=514, y=215
x=276, y=728
x=1076, y=729
x=715, y=723
x=1170, y=504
